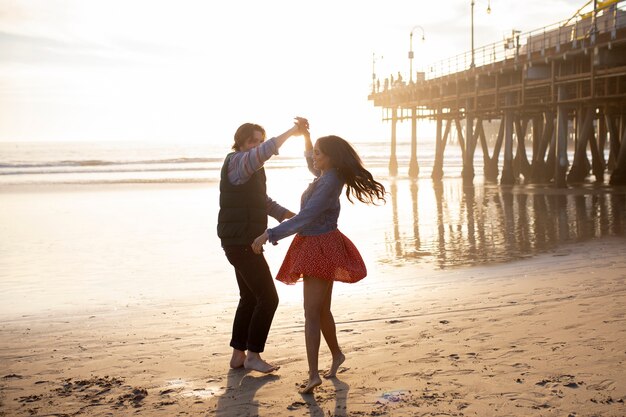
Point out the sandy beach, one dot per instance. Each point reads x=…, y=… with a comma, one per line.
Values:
x=542, y=335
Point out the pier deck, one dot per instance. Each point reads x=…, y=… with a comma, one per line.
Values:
x=559, y=84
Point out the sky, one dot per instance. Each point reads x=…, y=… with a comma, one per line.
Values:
x=192, y=71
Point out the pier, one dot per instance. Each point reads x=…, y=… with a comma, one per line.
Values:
x=560, y=87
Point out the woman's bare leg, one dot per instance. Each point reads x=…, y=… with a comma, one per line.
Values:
x=315, y=291
x=329, y=331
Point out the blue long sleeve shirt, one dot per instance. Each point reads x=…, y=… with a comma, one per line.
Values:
x=243, y=164
x=319, y=208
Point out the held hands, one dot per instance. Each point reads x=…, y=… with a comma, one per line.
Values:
x=257, y=245
x=302, y=125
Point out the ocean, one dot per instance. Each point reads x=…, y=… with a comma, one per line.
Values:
x=105, y=225
x=139, y=162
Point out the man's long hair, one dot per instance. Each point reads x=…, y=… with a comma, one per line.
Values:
x=245, y=132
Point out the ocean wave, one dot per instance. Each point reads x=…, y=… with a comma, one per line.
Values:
x=105, y=181
x=28, y=171
x=99, y=162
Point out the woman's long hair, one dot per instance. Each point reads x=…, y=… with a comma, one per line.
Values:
x=359, y=181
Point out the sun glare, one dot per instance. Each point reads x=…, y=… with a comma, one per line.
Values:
x=159, y=70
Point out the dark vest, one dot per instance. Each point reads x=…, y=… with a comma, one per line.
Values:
x=243, y=208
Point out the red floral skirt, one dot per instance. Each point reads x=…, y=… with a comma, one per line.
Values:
x=331, y=256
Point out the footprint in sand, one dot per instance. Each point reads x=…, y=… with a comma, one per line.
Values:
x=134, y=398
x=605, y=385
x=30, y=398
x=564, y=380
x=296, y=405
x=520, y=365
x=169, y=391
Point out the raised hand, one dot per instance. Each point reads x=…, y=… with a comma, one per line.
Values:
x=302, y=124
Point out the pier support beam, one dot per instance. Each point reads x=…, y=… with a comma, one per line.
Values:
x=602, y=137
x=520, y=163
x=440, y=145
x=611, y=127
x=393, y=160
x=507, y=169
x=490, y=163
x=459, y=133
x=414, y=168
x=551, y=159
x=543, y=130
x=561, y=165
x=597, y=156
x=470, y=144
x=580, y=165
x=618, y=176
x=537, y=136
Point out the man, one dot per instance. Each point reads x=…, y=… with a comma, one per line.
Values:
x=244, y=207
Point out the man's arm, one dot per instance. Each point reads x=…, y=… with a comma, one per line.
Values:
x=243, y=165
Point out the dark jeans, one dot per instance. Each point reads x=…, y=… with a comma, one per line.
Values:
x=258, y=299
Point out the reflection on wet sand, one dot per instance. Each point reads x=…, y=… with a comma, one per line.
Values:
x=454, y=225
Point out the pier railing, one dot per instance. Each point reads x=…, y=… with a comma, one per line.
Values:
x=575, y=35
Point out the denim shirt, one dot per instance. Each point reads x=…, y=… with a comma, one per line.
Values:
x=319, y=208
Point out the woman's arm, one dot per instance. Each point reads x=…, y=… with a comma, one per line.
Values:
x=327, y=192
x=308, y=154
x=308, y=145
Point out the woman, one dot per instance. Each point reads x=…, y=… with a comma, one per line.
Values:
x=244, y=207
x=320, y=254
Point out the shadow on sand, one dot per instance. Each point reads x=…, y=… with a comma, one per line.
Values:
x=314, y=400
x=239, y=397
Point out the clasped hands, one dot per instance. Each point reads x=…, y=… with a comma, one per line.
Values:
x=302, y=124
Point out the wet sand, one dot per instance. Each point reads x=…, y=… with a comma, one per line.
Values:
x=539, y=335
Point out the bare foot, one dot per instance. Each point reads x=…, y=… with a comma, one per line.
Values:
x=236, y=361
x=334, y=367
x=313, y=382
x=258, y=364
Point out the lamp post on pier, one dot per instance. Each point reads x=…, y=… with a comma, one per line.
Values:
x=413, y=165
x=374, y=59
x=594, y=25
x=411, y=50
x=473, y=64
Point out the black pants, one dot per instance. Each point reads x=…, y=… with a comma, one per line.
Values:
x=258, y=299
